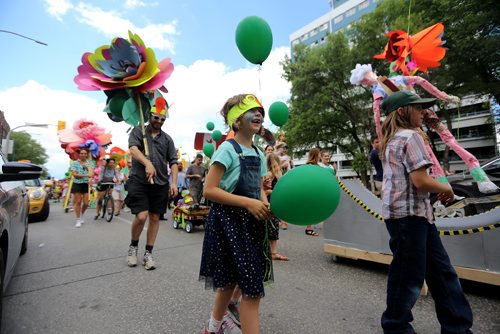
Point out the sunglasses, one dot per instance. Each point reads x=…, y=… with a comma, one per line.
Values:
x=158, y=118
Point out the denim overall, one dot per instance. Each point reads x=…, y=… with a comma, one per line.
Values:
x=249, y=181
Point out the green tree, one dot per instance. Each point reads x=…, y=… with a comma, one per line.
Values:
x=325, y=109
x=26, y=148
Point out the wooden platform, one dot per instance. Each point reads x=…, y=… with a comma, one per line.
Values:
x=471, y=274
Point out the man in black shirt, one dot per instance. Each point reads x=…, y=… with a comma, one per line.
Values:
x=148, y=186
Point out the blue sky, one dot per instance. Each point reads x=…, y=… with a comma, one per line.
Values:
x=37, y=81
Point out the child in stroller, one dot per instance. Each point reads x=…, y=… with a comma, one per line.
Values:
x=186, y=214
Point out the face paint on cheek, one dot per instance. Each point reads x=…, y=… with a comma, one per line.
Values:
x=249, y=117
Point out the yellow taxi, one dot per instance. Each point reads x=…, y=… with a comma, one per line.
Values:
x=39, y=201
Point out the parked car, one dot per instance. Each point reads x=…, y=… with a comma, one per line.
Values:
x=463, y=185
x=39, y=201
x=14, y=204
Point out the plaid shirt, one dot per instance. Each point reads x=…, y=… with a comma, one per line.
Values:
x=404, y=153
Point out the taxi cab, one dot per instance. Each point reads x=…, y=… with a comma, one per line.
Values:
x=39, y=201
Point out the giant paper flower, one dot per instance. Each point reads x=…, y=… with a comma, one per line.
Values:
x=123, y=64
x=87, y=134
x=424, y=49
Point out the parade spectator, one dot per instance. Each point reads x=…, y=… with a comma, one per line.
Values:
x=269, y=149
x=377, y=164
x=119, y=193
x=234, y=248
x=286, y=164
x=418, y=252
x=196, y=176
x=325, y=161
x=148, y=187
x=313, y=159
x=274, y=173
x=82, y=171
x=107, y=174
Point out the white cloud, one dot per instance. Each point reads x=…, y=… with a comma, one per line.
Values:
x=196, y=93
x=135, y=3
x=110, y=23
x=58, y=8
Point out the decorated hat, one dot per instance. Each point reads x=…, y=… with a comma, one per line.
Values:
x=403, y=98
x=248, y=103
x=160, y=107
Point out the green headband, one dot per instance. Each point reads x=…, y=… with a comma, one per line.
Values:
x=249, y=102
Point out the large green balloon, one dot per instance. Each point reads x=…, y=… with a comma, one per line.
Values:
x=254, y=39
x=210, y=126
x=278, y=113
x=306, y=195
x=209, y=150
x=216, y=135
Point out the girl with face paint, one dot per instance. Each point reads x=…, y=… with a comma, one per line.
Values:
x=239, y=216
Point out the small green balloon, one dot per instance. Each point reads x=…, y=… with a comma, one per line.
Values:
x=209, y=150
x=216, y=135
x=306, y=195
x=210, y=126
x=254, y=39
x=278, y=113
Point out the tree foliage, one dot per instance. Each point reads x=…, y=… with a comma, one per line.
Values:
x=26, y=148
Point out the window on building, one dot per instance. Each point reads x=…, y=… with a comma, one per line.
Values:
x=322, y=40
x=295, y=42
x=338, y=19
x=350, y=12
x=324, y=26
x=313, y=32
x=363, y=5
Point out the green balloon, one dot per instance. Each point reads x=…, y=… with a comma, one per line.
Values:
x=209, y=150
x=210, y=126
x=216, y=135
x=278, y=113
x=254, y=39
x=305, y=195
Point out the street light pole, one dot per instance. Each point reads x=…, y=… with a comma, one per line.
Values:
x=7, y=141
x=31, y=39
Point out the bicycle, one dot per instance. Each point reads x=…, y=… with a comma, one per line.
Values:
x=108, y=204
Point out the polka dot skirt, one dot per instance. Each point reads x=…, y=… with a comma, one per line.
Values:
x=236, y=251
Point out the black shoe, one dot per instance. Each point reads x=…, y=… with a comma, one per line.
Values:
x=162, y=217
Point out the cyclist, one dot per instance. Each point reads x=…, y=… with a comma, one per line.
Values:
x=108, y=174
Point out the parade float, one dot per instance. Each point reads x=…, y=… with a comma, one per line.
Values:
x=356, y=230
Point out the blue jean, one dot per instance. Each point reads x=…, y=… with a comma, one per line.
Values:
x=419, y=254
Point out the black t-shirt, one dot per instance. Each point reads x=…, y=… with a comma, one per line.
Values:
x=375, y=160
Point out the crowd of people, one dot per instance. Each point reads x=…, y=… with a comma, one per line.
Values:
x=236, y=260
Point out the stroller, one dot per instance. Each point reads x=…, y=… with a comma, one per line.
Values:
x=187, y=215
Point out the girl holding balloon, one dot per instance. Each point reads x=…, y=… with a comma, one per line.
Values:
x=234, y=251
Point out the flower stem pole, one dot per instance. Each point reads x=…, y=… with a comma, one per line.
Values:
x=141, y=120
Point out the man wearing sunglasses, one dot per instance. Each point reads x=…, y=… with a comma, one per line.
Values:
x=148, y=186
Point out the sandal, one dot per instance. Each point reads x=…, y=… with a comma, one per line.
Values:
x=312, y=233
x=279, y=257
x=283, y=226
x=96, y=217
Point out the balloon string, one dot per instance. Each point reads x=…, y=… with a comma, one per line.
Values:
x=259, y=71
x=268, y=261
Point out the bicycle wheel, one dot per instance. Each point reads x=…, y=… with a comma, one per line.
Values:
x=109, y=210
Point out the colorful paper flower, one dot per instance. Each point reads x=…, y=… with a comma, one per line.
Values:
x=123, y=64
x=424, y=49
x=87, y=134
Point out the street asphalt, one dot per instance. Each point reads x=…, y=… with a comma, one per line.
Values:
x=77, y=281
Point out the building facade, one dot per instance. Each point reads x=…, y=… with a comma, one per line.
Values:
x=341, y=15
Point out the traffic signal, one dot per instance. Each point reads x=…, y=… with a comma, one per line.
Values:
x=61, y=125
